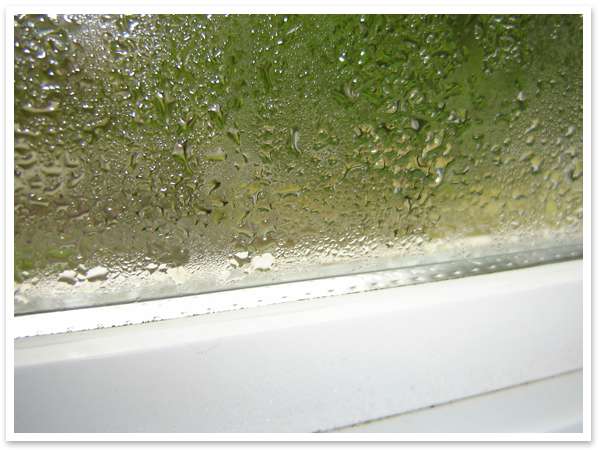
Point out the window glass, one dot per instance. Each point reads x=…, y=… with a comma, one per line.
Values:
x=162, y=155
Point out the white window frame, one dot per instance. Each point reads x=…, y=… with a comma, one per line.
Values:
x=306, y=366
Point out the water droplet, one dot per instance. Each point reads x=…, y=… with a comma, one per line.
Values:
x=68, y=276
x=216, y=114
x=439, y=172
x=217, y=155
x=295, y=139
x=97, y=273
x=262, y=262
x=534, y=125
x=576, y=170
x=242, y=256
x=415, y=124
x=234, y=135
x=570, y=131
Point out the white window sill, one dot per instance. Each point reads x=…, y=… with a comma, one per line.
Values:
x=551, y=405
x=306, y=366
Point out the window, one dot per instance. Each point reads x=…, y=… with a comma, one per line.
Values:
x=158, y=156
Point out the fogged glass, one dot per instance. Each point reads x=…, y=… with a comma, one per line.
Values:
x=161, y=155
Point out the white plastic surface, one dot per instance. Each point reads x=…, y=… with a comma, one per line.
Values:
x=306, y=366
x=551, y=405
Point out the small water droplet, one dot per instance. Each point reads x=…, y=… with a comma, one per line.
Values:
x=234, y=135
x=216, y=114
x=415, y=124
x=380, y=164
x=295, y=139
x=439, y=176
x=570, y=131
x=536, y=162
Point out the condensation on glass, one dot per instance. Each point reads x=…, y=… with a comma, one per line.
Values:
x=162, y=155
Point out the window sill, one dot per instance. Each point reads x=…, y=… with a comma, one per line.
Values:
x=306, y=366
